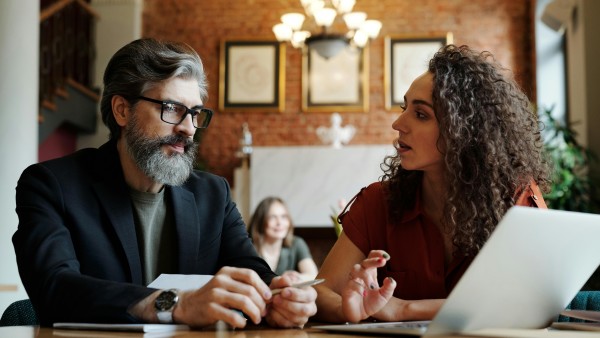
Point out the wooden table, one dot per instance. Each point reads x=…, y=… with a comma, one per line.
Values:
x=263, y=332
x=44, y=332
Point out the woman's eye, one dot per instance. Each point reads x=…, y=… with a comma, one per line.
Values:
x=420, y=115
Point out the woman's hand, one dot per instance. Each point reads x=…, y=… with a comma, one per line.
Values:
x=362, y=296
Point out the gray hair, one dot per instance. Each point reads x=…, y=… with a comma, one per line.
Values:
x=142, y=64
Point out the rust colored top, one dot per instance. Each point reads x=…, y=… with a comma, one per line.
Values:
x=415, y=244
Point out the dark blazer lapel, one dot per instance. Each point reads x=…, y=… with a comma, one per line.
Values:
x=188, y=233
x=114, y=197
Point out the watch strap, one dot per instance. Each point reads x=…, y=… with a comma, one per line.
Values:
x=165, y=317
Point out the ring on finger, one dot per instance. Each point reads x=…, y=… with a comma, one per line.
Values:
x=358, y=283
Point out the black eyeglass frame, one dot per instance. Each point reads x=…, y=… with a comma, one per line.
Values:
x=192, y=112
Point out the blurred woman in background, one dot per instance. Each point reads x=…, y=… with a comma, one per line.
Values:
x=272, y=232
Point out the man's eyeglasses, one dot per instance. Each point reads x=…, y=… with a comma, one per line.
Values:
x=175, y=113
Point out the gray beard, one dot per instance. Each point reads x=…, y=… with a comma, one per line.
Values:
x=149, y=157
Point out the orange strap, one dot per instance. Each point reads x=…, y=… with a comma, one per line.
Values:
x=532, y=197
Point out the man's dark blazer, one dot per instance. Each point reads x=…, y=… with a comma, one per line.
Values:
x=76, y=243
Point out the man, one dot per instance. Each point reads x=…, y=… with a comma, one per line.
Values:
x=96, y=226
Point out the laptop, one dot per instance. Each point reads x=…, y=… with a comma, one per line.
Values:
x=531, y=267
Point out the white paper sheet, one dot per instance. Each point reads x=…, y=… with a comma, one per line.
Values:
x=148, y=328
x=181, y=282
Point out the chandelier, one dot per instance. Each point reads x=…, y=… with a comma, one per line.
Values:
x=324, y=13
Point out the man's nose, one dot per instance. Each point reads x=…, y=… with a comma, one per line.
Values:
x=186, y=126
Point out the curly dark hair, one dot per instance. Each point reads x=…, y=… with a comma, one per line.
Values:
x=492, y=141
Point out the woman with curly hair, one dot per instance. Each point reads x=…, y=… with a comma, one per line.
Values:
x=468, y=148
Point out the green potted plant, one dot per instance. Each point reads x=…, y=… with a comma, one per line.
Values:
x=572, y=189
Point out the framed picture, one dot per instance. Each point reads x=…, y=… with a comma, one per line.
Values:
x=252, y=75
x=337, y=84
x=405, y=58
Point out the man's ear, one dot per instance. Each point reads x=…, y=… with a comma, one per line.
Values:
x=120, y=109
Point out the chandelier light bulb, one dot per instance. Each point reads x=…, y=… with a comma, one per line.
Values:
x=325, y=16
x=293, y=20
x=282, y=32
x=299, y=37
x=361, y=38
x=343, y=6
x=354, y=20
x=314, y=6
x=372, y=28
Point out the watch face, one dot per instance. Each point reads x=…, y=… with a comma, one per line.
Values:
x=166, y=300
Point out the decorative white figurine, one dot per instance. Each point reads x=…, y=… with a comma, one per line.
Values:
x=336, y=134
x=245, y=142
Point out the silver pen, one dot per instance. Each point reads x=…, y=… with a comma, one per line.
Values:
x=299, y=285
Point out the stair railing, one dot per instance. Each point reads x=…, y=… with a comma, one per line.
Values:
x=67, y=46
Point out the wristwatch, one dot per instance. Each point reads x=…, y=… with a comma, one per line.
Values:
x=164, y=305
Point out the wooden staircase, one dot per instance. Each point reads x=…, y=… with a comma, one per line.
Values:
x=67, y=54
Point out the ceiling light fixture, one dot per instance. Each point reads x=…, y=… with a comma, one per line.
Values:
x=327, y=44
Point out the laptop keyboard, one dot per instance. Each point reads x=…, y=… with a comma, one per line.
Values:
x=418, y=325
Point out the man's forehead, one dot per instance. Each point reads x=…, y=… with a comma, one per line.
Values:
x=178, y=89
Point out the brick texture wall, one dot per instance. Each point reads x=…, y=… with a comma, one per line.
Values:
x=503, y=27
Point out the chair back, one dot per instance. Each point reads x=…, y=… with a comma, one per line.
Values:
x=19, y=313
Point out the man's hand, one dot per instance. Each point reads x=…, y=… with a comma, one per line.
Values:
x=294, y=276
x=293, y=306
x=231, y=288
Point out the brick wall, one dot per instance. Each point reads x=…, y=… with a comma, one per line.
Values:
x=503, y=27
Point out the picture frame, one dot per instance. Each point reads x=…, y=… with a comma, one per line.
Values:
x=405, y=58
x=337, y=84
x=252, y=75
